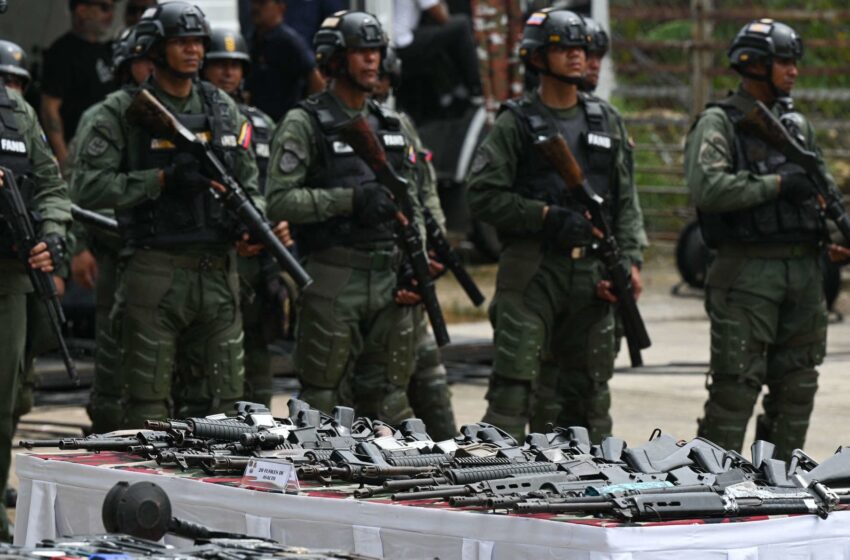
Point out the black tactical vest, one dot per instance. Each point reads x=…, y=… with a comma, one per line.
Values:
x=588, y=134
x=261, y=138
x=15, y=156
x=775, y=221
x=339, y=167
x=183, y=217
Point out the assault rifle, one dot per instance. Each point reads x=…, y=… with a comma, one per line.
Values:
x=446, y=254
x=14, y=210
x=761, y=122
x=357, y=134
x=147, y=112
x=556, y=151
x=94, y=219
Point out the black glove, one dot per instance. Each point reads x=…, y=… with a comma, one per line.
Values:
x=567, y=228
x=405, y=278
x=56, y=248
x=373, y=204
x=184, y=173
x=796, y=187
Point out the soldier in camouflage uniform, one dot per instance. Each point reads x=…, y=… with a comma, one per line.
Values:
x=95, y=261
x=177, y=303
x=763, y=291
x=428, y=392
x=25, y=151
x=226, y=64
x=349, y=325
x=552, y=297
x=545, y=403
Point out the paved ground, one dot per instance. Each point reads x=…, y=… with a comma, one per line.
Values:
x=668, y=393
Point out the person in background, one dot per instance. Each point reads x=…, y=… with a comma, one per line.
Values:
x=305, y=16
x=260, y=288
x=284, y=68
x=450, y=35
x=134, y=9
x=76, y=72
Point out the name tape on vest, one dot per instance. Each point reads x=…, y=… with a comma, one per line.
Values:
x=394, y=140
x=599, y=141
x=13, y=146
x=342, y=148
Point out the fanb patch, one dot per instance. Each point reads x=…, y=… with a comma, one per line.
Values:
x=97, y=146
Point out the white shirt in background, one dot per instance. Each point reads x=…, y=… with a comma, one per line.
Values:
x=406, y=16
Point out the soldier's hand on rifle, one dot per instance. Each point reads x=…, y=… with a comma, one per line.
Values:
x=59, y=282
x=796, y=187
x=46, y=253
x=185, y=173
x=435, y=267
x=244, y=247
x=373, y=203
x=281, y=231
x=838, y=253
x=603, y=291
x=405, y=292
x=567, y=228
x=84, y=269
x=637, y=282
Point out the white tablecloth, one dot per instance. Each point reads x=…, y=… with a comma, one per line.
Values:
x=60, y=498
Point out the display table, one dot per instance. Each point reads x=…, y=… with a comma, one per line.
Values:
x=61, y=494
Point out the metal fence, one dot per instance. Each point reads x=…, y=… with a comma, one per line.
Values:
x=670, y=59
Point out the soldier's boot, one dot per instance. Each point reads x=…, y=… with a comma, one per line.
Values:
x=429, y=393
x=258, y=371
x=787, y=409
x=727, y=411
x=545, y=403
x=508, y=405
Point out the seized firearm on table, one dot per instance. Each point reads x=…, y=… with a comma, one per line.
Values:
x=357, y=134
x=147, y=112
x=556, y=151
x=761, y=122
x=447, y=256
x=15, y=212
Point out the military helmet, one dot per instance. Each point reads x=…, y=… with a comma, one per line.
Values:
x=228, y=45
x=348, y=29
x=552, y=27
x=170, y=21
x=762, y=41
x=13, y=60
x=391, y=67
x=126, y=49
x=599, y=43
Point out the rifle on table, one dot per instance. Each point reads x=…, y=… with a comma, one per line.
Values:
x=94, y=219
x=556, y=151
x=149, y=113
x=357, y=134
x=446, y=254
x=761, y=122
x=15, y=211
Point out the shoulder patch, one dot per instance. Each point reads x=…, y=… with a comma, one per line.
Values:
x=296, y=147
x=288, y=162
x=480, y=161
x=97, y=146
x=714, y=151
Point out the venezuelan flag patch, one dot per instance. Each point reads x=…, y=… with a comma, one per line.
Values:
x=246, y=135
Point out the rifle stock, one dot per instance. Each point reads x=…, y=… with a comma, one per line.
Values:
x=357, y=134
x=147, y=112
x=18, y=217
x=761, y=122
x=558, y=154
x=438, y=243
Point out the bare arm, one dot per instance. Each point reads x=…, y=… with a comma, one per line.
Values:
x=439, y=13
x=51, y=121
x=315, y=82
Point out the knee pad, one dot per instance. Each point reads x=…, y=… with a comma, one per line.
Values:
x=519, y=339
x=322, y=348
